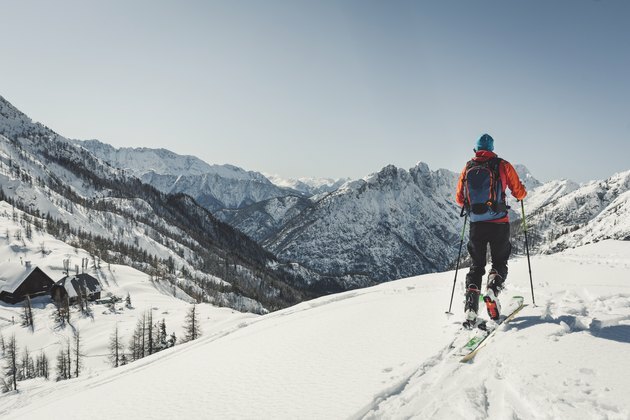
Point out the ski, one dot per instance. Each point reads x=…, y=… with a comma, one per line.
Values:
x=481, y=337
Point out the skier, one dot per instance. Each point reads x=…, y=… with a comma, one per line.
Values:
x=481, y=194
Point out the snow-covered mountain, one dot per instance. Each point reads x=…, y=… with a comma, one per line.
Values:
x=386, y=226
x=215, y=187
x=148, y=294
x=390, y=225
x=526, y=177
x=384, y=352
x=380, y=352
x=79, y=198
x=265, y=219
x=549, y=193
x=308, y=186
x=398, y=223
x=138, y=160
x=568, y=215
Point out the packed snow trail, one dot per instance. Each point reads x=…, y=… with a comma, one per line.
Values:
x=563, y=359
x=386, y=352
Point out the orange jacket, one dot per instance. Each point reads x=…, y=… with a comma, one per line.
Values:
x=509, y=179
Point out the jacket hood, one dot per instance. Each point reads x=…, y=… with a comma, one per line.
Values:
x=483, y=155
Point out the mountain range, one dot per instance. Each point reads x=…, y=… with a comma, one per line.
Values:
x=324, y=235
x=81, y=199
x=393, y=223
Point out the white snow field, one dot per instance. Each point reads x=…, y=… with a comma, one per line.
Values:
x=385, y=353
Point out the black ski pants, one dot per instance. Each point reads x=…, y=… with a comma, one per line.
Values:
x=482, y=234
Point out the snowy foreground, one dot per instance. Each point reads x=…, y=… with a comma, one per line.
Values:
x=384, y=352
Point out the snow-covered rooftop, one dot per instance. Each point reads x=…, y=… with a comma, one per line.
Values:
x=12, y=274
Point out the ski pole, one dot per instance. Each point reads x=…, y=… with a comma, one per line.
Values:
x=459, y=255
x=529, y=265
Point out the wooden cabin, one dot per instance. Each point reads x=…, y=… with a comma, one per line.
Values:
x=74, y=284
x=17, y=281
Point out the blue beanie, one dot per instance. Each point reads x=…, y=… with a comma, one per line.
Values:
x=485, y=142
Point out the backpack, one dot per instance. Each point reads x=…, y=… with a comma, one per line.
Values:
x=483, y=191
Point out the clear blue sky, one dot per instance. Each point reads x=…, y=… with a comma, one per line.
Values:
x=323, y=88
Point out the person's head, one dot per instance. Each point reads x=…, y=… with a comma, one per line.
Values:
x=485, y=142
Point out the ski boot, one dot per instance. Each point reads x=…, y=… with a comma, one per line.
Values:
x=494, y=287
x=471, y=307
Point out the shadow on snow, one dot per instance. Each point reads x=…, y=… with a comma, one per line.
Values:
x=619, y=332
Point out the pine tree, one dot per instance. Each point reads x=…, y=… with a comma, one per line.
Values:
x=68, y=361
x=192, y=327
x=133, y=347
x=115, y=348
x=143, y=336
x=137, y=344
x=30, y=313
x=41, y=366
x=67, y=308
x=27, y=366
x=25, y=318
x=149, y=332
x=77, y=353
x=63, y=309
x=27, y=314
x=80, y=299
x=11, y=365
x=162, y=334
x=62, y=365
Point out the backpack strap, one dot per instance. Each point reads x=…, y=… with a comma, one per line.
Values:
x=466, y=206
x=501, y=203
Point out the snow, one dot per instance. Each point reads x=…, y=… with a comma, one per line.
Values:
x=12, y=274
x=309, y=186
x=548, y=193
x=139, y=160
x=384, y=352
x=160, y=297
x=574, y=216
x=389, y=225
x=213, y=186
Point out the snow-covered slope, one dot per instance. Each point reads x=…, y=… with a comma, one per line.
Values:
x=549, y=193
x=139, y=160
x=580, y=215
x=392, y=224
x=385, y=352
x=81, y=199
x=265, y=219
x=213, y=186
x=526, y=177
x=164, y=300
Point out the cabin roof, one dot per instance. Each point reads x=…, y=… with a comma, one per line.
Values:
x=13, y=274
x=71, y=284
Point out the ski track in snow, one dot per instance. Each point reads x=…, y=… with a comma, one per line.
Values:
x=387, y=352
x=494, y=386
